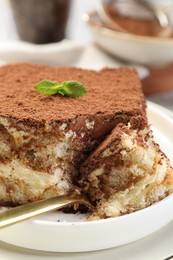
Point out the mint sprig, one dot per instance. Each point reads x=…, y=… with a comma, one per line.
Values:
x=74, y=89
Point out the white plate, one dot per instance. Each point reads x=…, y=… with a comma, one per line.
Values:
x=73, y=234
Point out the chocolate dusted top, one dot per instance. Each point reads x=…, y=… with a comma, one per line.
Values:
x=110, y=91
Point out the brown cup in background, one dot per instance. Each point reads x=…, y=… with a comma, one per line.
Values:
x=41, y=21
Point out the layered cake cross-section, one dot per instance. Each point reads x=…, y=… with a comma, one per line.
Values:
x=99, y=144
x=127, y=172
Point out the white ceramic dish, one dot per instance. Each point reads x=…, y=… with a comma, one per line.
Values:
x=64, y=53
x=73, y=234
x=133, y=48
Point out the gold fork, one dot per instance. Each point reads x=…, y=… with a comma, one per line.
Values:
x=17, y=214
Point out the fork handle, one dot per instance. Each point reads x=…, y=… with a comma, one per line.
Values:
x=30, y=210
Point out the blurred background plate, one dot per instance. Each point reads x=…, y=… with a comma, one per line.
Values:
x=64, y=53
x=146, y=50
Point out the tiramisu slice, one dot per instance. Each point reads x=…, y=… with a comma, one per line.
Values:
x=44, y=139
x=127, y=172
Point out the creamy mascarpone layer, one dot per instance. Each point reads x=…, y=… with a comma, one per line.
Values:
x=141, y=159
x=34, y=164
x=21, y=184
x=145, y=192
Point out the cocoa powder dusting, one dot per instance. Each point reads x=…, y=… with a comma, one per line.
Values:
x=109, y=91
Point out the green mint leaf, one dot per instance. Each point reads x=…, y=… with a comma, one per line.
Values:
x=73, y=89
x=47, y=87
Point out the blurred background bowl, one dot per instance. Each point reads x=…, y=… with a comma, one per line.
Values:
x=147, y=50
